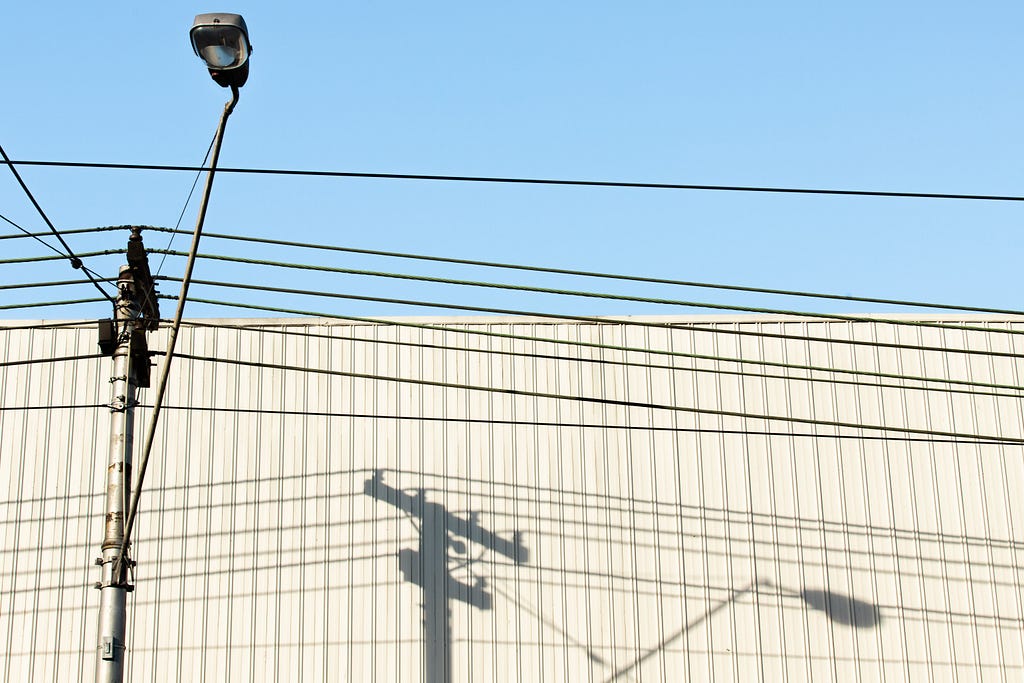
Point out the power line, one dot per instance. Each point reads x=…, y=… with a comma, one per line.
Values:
x=45, y=304
x=78, y=406
x=588, y=319
x=58, y=283
x=76, y=262
x=570, y=425
x=611, y=276
x=838, y=424
x=48, y=326
x=522, y=423
x=598, y=346
x=56, y=359
x=175, y=231
x=603, y=295
x=75, y=231
x=61, y=257
x=645, y=366
x=36, y=236
x=531, y=181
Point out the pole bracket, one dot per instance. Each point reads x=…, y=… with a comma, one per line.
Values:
x=120, y=404
x=99, y=585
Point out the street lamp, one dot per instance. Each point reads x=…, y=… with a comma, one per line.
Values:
x=222, y=41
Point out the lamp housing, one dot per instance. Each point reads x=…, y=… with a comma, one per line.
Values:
x=221, y=40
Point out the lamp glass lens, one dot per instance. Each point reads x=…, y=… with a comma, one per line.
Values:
x=221, y=47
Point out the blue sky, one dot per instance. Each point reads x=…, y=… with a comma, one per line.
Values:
x=913, y=96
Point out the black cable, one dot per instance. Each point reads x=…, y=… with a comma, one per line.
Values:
x=175, y=231
x=49, y=326
x=54, y=407
x=611, y=276
x=44, y=304
x=530, y=181
x=650, y=366
x=76, y=262
x=605, y=295
x=75, y=231
x=57, y=359
x=36, y=236
x=92, y=276
x=570, y=425
x=461, y=330
x=61, y=257
x=580, y=318
x=604, y=401
x=58, y=283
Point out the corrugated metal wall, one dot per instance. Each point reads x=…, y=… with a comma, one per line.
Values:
x=314, y=526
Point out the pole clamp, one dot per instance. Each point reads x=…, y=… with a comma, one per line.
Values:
x=119, y=404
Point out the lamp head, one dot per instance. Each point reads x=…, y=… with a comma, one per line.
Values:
x=222, y=41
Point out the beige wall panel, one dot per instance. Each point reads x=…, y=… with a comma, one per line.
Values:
x=317, y=526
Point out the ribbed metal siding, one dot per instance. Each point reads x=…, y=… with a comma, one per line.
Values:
x=649, y=553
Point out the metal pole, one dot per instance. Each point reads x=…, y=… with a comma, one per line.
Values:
x=113, y=586
x=172, y=337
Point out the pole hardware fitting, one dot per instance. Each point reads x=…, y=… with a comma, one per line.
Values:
x=122, y=378
x=126, y=562
x=127, y=587
x=120, y=405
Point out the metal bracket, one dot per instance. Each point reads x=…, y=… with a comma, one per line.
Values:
x=122, y=378
x=119, y=404
x=99, y=585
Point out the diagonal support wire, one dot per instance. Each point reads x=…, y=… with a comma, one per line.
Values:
x=76, y=262
x=147, y=447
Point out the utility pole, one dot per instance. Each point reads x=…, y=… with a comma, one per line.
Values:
x=123, y=338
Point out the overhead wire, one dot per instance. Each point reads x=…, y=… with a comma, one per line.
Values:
x=571, y=425
x=47, y=304
x=610, y=276
x=693, y=327
x=607, y=296
x=188, y=199
x=264, y=329
x=71, y=231
x=71, y=406
x=36, y=236
x=57, y=283
x=464, y=331
x=60, y=257
x=508, y=391
x=530, y=181
x=75, y=261
x=55, y=359
x=47, y=325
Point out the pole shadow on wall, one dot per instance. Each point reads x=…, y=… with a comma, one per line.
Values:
x=428, y=566
x=840, y=609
